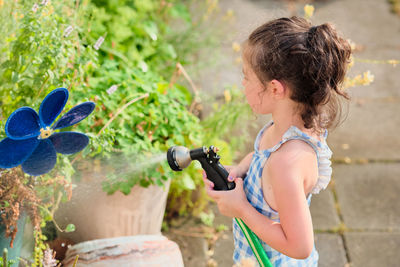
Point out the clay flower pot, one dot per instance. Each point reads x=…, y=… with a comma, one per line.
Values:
x=97, y=215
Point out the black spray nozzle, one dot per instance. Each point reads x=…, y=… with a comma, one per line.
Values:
x=180, y=157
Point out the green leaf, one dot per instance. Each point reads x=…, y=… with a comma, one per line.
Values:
x=125, y=188
x=70, y=228
x=207, y=219
x=14, y=77
x=170, y=51
x=151, y=29
x=181, y=11
x=144, y=6
x=188, y=182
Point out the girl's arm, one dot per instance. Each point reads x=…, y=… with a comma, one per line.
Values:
x=293, y=236
x=235, y=171
x=286, y=172
x=241, y=169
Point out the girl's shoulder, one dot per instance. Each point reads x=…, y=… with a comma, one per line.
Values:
x=294, y=165
x=294, y=154
x=302, y=154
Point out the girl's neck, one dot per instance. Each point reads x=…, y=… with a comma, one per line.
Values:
x=289, y=117
x=285, y=118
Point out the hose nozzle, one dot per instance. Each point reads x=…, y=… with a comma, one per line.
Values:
x=179, y=157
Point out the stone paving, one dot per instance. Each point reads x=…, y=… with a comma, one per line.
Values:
x=357, y=219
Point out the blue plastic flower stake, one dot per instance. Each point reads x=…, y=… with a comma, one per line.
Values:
x=31, y=141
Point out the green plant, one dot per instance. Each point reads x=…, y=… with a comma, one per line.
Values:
x=395, y=6
x=140, y=108
x=149, y=126
x=4, y=261
x=39, y=53
x=41, y=50
x=138, y=59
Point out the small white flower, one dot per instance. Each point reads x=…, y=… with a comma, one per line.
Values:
x=143, y=66
x=45, y=2
x=68, y=31
x=35, y=7
x=112, y=89
x=48, y=260
x=98, y=43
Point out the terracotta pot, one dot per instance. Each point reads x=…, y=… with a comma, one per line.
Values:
x=97, y=215
x=135, y=251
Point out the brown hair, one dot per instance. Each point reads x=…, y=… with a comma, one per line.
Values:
x=311, y=60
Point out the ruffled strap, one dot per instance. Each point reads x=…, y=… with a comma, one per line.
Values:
x=259, y=135
x=322, y=151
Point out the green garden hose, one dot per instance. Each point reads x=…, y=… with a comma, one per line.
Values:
x=255, y=244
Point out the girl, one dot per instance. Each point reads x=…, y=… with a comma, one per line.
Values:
x=294, y=72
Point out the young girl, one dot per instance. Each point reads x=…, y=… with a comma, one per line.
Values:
x=293, y=71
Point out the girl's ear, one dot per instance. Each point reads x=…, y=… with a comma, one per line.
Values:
x=277, y=88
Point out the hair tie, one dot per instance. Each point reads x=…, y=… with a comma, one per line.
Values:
x=312, y=30
x=310, y=36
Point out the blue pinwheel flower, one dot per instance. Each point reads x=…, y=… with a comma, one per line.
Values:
x=31, y=141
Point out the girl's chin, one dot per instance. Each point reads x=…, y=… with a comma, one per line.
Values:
x=255, y=109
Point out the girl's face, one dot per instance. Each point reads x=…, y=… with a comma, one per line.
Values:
x=258, y=96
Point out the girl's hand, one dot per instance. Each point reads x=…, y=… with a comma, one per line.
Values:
x=235, y=171
x=230, y=203
x=207, y=183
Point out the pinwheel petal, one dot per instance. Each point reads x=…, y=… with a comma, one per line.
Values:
x=15, y=152
x=52, y=106
x=69, y=142
x=75, y=115
x=42, y=160
x=23, y=124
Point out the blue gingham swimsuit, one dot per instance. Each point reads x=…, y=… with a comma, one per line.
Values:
x=253, y=189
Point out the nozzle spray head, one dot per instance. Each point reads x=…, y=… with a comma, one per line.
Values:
x=178, y=157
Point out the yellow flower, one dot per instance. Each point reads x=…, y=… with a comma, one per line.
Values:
x=211, y=6
x=45, y=133
x=228, y=96
x=345, y=146
x=236, y=46
x=368, y=78
x=365, y=79
x=238, y=60
x=1, y=2
x=308, y=11
x=352, y=44
x=51, y=10
x=229, y=14
x=393, y=62
x=351, y=63
x=347, y=160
